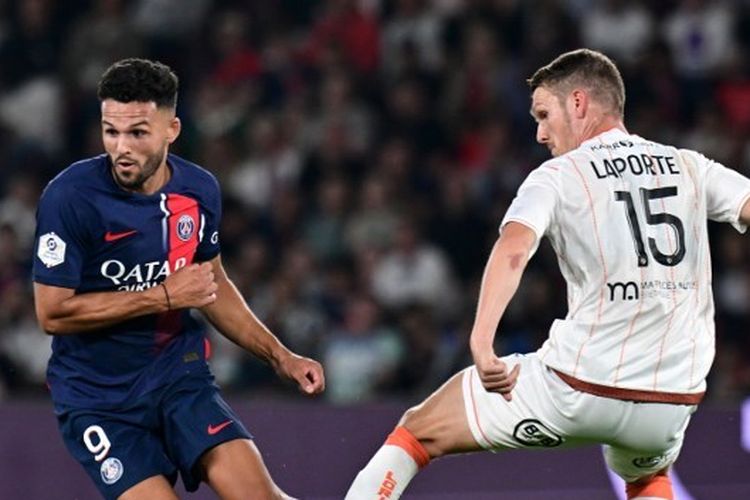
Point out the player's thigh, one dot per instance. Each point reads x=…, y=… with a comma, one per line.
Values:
x=533, y=418
x=196, y=419
x=235, y=470
x=440, y=422
x=116, y=454
x=649, y=441
x=153, y=488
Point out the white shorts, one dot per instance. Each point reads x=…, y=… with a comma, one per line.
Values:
x=639, y=438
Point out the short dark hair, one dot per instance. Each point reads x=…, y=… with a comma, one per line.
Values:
x=139, y=80
x=587, y=69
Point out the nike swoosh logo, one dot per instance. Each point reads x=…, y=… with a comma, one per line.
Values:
x=215, y=429
x=110, y=236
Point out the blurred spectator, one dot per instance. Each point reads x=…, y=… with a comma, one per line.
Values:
x=620, y=28
x=29, y=60
x=18, y=209
x=97, y=40
x=374, y=221
x=430, y=353
x=339, y=112
x=167, y=25
x=344, y=25
x=700, y=36
x=410, y=115
x=271, y=168
x=458, y=229
x=414, y=30
x=361, y=356
x=31, y=48
x=415, y=272
x=324, y=228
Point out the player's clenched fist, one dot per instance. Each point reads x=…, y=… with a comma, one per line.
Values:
x=191, y=286
x=306, y=372
x=496, y=376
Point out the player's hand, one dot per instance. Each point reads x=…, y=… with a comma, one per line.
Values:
x=192, y=286
x=306, y=372
x=495, y=375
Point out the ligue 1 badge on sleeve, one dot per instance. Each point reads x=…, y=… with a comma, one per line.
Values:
x=51, y=250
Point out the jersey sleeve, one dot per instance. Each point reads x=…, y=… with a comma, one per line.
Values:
x=60, y=238
x=726, y=193
x=209, y=246
x=535, y=202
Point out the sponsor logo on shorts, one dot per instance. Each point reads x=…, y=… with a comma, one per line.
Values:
x=648, y=462
x=111, y=470
x=387, y=486
x=530, y=432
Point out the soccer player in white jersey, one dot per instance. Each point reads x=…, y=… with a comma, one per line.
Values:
x=626, y=368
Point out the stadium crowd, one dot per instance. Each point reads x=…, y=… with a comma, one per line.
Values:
x=367, y=151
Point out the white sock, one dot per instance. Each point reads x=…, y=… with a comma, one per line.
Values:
x=385, y=476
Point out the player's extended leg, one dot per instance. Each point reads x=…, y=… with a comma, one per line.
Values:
x=153, y=488
x=436, y=427
x=235, y=471
x=654, y=487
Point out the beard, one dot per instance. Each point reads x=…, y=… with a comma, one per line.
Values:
x=134, y=180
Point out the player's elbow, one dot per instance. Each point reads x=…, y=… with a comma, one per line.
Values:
x=50, y=326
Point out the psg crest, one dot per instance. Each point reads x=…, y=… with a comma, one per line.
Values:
x=185, y=227
x=111, y=470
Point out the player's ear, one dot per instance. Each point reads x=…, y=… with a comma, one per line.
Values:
x=580, y=103
x=173, y=131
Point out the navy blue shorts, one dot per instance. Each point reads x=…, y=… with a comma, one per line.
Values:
x=164, y=432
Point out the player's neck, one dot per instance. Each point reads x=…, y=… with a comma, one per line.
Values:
x=158, y=180
x=600, y=125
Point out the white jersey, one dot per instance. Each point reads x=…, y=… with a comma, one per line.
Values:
x=627, y=218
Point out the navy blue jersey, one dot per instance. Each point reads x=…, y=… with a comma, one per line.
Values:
x=93, y=236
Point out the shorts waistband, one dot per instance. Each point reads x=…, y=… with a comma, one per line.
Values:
x=630, y=394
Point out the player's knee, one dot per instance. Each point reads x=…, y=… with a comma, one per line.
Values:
x=425, y=429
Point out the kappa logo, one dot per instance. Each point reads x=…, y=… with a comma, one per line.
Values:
x=532, y=432
x=387, y=486
x=185, y=227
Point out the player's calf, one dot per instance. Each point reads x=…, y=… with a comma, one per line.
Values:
x=432, y=429
x=391, y=469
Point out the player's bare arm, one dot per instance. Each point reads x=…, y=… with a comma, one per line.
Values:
x=745, y=213
x=60, y=311
x=234, y=319
x=502, y=275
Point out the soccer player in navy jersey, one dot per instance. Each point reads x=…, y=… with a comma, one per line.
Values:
x=127, y=245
